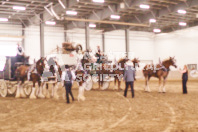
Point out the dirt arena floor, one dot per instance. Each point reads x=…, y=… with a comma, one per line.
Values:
x=106, y=111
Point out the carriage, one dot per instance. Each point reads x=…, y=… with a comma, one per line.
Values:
x=69, y=54
x=8, y=84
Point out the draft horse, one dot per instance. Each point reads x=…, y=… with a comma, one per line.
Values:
x=55, y=78
x=159, y=71
x=36, y=72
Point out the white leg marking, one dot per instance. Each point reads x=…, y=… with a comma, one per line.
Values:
x=32, y=95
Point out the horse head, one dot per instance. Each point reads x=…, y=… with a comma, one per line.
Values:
x=122, y=62
x=173, y=61
x=136, y=62
x=40, y=65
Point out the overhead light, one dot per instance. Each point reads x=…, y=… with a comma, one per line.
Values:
x=144, y=6
x=157, y=30
x=152, y=21
x=3, y=19
x=182, y=23
x=92, y=25
x=99, y=1
x=181, y=11
x=50, y=23
x=122, y=5
x=71, y=12
x=19, y=8
x=61, y=3
x=117, y=17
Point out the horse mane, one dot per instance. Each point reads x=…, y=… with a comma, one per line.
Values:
x=120, y=60
x=166, y=60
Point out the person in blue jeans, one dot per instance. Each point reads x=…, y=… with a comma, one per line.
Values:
x=67, y=77
x=129, y=77
x=184, y=78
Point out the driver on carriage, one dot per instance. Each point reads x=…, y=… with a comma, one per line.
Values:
x=20, y=53
x=98, y=54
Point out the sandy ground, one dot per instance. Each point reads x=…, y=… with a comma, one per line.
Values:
x=106, y=111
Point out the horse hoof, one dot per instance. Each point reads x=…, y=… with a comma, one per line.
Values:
x=23, y=96
x=17, y=96
x=41, y=96
x=32, y=97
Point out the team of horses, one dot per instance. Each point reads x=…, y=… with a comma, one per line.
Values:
x=37, y=70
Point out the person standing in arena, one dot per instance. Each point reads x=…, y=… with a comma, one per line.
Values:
x=129, y=77
x=67, y=77
x=184, y=78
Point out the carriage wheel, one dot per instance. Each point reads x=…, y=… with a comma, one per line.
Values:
x=105, y=85
x=28, y=89
x=12, y=89
x=3, y=88
x=89, y=84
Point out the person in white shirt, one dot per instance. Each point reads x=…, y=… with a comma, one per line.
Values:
x=68, y=77
x=20, y=53
x=20, y=50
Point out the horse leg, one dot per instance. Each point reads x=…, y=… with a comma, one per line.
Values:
x=102, y=81
x=23, y=95
x=164, y=88
x=18, y=95
x=81, y=92
x=99, y=81
x=55, y=90
x=47, y=91
x=146, y=84
x=119, y=82
x=114, y=83
x=160, y=85
x=40, y=93
x=32, y=95
x=148, y=88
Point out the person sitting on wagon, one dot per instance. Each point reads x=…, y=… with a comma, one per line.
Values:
x=98, y=54
x=20, y=53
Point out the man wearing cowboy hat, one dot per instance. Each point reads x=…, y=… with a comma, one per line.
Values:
x=129, y=77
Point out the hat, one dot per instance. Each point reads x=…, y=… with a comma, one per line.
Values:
x=66, y=66
x=129, y=63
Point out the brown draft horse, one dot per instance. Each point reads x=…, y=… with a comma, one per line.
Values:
x=120, y=69
x=160, y=71
x=81, y=79
x=22, y=73
x=56, y=77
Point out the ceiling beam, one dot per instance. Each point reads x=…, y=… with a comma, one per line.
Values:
x=98, y=15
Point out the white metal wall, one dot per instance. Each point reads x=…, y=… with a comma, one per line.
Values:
x=182, y=44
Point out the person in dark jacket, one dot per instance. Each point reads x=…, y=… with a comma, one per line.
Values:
x=67, y=77
x=129, y=77
x=184, y=78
